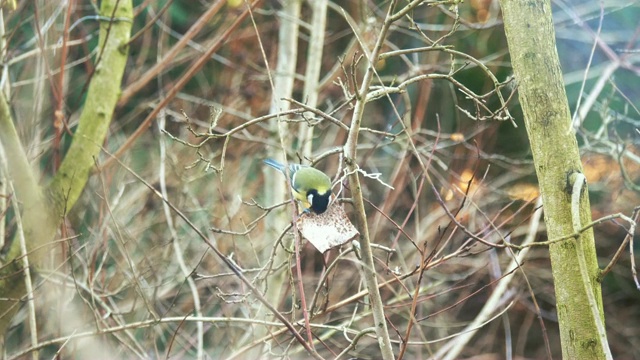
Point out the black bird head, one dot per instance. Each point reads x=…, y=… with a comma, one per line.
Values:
x=319, y=202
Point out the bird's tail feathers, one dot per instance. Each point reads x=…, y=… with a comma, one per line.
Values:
x=274, y=164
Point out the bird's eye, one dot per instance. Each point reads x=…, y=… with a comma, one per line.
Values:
x=310, y=198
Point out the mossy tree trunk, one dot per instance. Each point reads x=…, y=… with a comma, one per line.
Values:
x=531, y=38
x=44, y=206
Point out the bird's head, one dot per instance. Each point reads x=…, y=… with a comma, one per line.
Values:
x=319, y=201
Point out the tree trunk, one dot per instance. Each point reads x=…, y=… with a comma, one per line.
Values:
x=531, y=38
x=44, y=207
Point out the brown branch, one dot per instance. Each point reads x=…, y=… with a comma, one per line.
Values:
x=192, y=71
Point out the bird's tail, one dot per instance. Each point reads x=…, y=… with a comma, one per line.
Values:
x=274, y=164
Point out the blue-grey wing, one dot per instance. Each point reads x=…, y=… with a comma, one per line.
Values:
x=295, y=167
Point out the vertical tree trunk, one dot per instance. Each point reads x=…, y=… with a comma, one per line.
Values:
x=531, y=38
x=283, y=84
x=44, y=207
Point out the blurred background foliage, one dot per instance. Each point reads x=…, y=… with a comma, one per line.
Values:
x=121, y=267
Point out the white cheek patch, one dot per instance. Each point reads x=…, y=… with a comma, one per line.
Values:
x=310, y=199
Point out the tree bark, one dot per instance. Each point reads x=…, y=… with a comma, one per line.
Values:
x=43, y=208
x=531, y=38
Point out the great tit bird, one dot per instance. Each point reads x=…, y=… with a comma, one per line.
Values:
x=310, y=186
